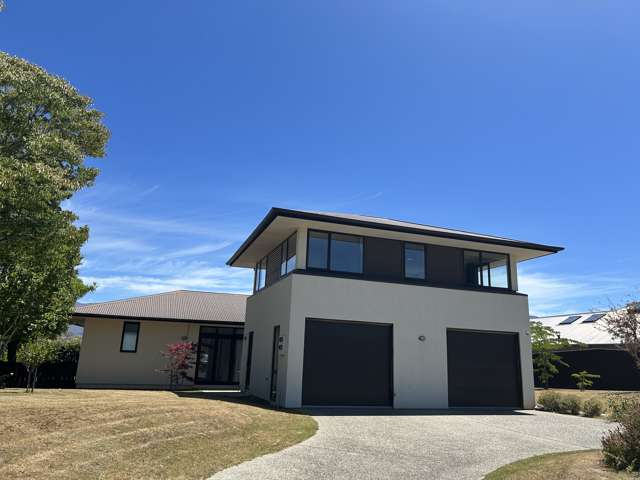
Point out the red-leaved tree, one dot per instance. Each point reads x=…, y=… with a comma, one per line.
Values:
x=180, y=359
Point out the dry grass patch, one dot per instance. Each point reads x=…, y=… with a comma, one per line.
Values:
x=602, y=395
x=584, y=465
x=120, y=434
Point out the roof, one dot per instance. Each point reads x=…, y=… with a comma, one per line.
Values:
x=590, y=333
x=385, y=224
x=177, y=305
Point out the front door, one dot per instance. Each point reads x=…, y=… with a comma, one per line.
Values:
x=219, y=354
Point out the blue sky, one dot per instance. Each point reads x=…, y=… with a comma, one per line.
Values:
x=512, y=118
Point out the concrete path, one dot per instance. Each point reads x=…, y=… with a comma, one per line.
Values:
x=422, y=444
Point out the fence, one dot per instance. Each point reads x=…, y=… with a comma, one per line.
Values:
x=50, y=375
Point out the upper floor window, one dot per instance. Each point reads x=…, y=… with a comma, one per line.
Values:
x=486, y=269
x=414, y=261
x=337, y=252
x=288, y=260
x=280, y=261
x=261, y=274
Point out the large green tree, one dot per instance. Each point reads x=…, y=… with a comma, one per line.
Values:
x=47, y=130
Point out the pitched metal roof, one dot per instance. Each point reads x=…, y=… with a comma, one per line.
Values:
x=385, y=224
x=178, y=305
x=590, y=333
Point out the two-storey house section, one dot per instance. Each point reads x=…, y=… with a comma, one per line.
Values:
x=351, y=310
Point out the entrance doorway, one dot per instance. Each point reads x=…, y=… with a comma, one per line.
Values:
x=219, y=356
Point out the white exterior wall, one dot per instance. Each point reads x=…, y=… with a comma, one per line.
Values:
x=102, y=364
x=420, y=368
x=266, y=309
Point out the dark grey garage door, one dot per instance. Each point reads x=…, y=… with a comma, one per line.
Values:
x=347, y=363
x=484, y=369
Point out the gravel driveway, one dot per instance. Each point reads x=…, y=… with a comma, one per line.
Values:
x=423, y=444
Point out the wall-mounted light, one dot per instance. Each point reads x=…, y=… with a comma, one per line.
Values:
x=422, y=338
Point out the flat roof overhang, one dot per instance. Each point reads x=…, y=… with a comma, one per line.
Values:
x=279, y=223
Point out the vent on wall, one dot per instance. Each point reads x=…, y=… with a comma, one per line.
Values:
x=593, y=318
x=570, y=320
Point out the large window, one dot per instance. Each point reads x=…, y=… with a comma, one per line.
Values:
x=129, y=341
x=414, y=261
x=486, y=269
x=280, y=261
x=318, y=251
x=335, y=251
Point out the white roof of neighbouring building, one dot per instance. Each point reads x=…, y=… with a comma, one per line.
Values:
x=177, y=305
x=585, y=328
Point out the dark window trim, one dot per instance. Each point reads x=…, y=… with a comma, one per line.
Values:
x=404, y=261
x=509, y=284
x=407, y=281
x=124, y=326
x=328, y=265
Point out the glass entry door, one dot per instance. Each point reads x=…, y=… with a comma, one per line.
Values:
x=219, y=355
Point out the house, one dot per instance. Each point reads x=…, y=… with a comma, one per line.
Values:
x=352, y=310
x=597, y=353
x=122, y=340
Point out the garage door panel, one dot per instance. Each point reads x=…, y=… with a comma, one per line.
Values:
x=483, y=369
x=347, y=363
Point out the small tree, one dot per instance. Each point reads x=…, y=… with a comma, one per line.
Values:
x=180, y=358
x=33, y=354
x=545, y=341
x=584, y=379
x=623, y=324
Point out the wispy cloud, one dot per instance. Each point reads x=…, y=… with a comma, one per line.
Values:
x=556, y=294
x=211, y=279
x=198, y=250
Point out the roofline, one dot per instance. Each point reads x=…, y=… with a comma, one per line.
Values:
x=570, y=314
x=126, y=299
x=154, y=319
x=283, y=212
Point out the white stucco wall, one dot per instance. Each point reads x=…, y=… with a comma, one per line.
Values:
x=420, y=368
x=102, y=364
x=265, y=310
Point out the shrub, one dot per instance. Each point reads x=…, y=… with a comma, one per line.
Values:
x=570, y=404
x=550, y=401
x=592, y=407
x=621, y=446
x=619, y=405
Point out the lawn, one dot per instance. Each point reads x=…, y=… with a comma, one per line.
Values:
x=584, y=465
x=120, y=434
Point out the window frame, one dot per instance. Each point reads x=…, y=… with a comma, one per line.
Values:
x=283, y=247
x=481, y=285
x=425, y=249
x=327, y=267
x=124, y=327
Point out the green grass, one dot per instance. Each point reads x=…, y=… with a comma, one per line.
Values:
x=582, y=465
